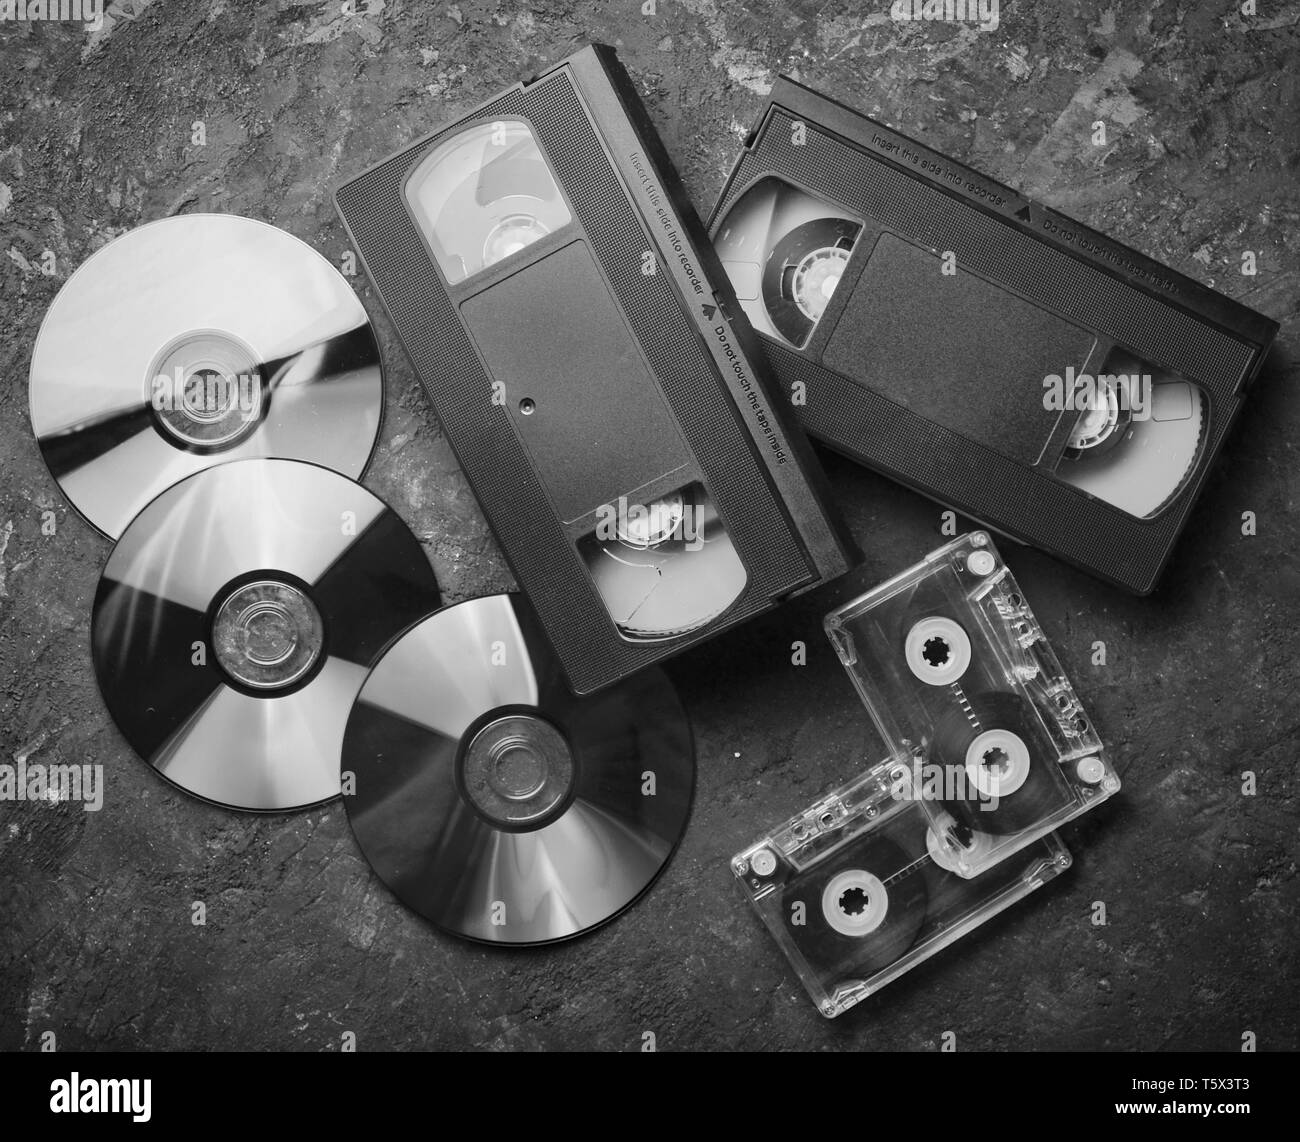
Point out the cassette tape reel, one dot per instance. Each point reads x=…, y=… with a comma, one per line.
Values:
x=958, y=676
x=857, y=890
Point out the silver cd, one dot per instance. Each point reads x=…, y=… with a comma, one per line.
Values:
x=236, y=619
x=496, y=804
x=192, y=341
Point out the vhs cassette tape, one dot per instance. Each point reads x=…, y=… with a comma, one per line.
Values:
x=857, y=891
x=965, y=689
x=568, y=318
x=999, y=357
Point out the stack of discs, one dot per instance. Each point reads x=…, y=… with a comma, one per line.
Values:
x=207, y=390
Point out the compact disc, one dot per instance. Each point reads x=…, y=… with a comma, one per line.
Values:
x=861, y=912
x=666, y=568
x=491, y=800
x=236, y=619
x=991, y=745
x=192, y=341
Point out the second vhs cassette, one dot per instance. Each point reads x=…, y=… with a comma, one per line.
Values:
x=574, y=331
x=1037, y=376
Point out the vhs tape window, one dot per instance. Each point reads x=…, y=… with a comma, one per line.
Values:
x=1139, y=434
x=665, y=567
x=484, y=194
x=785, y=251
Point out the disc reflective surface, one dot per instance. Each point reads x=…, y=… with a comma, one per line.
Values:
x=235, y=621
x=496, y=804
x=192, y=341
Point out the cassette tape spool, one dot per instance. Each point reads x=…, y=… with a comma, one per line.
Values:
x=484, y=194
x=667, y=567
x=959, y=678
x=857, y=891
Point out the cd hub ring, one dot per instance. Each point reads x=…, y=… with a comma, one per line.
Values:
x=267, y=634
x=205, y=389
x=517, y=770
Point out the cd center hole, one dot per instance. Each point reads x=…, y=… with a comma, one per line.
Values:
x=519, y=771
x=270, y=635
x=853, y=901
x=997, y=761
x=936, y=651
x=208, y=395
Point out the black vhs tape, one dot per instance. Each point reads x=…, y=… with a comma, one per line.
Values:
x=991, y=353
x=574, y=331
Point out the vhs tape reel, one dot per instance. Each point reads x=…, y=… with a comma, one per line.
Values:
x=857, y=892
x=570, y=323
x=963, y=685
x=1001, y=358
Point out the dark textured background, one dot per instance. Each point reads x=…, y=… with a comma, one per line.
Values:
x=301, y=943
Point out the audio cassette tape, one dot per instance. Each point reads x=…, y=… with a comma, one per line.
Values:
x=964, y=687
x=999, y=357
x=568, y=318
x=857, y=891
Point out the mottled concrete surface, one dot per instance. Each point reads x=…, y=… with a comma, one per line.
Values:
x=301, y=943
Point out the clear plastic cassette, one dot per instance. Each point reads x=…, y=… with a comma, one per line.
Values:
x=858, y=891
x=963, y=685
